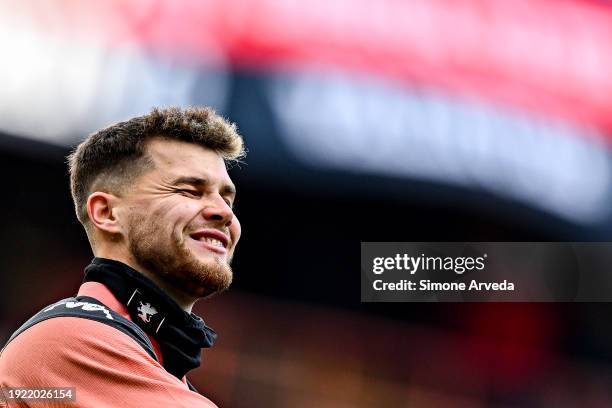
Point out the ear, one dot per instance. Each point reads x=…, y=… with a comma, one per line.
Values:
x=101, y=208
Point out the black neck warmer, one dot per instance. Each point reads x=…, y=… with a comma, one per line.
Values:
x=181, y=335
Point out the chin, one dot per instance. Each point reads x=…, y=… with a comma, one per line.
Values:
x=213, y=275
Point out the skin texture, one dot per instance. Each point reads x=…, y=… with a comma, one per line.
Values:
x=150, y=225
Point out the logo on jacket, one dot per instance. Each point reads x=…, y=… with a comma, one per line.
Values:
x=86, y=306
x=146, y=312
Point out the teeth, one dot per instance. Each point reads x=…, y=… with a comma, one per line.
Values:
x=212, y=241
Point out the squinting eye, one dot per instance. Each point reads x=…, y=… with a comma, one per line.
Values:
x=191, y=192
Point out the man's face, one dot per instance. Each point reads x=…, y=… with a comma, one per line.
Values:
x=178, y=218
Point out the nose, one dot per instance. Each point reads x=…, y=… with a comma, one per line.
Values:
x=219, y=212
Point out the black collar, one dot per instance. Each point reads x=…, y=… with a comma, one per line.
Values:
x=181, y=335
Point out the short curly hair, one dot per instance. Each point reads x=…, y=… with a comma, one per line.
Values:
x=109, y=159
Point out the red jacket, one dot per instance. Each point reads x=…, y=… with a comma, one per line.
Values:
x=107, y=367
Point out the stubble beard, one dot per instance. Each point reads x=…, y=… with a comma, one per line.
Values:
x=170, y=260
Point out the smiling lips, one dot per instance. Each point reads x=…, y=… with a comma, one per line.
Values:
x=212, y=239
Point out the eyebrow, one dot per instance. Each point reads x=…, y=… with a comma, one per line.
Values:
x=198, y=181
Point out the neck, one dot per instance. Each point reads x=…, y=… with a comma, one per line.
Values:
x=185, y=301
x=181, y=335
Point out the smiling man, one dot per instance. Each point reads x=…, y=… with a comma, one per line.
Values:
x=155, y=198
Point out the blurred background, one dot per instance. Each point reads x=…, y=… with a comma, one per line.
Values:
x=391, y=120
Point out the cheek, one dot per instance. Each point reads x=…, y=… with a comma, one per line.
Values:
x=235, y=230
x=180, y=216
x=173, y=217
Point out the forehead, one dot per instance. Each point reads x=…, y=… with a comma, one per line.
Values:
x=178, y=158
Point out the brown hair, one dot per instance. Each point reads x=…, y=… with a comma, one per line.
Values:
x=108, y=160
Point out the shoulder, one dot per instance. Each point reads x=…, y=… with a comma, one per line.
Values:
x=105, y=365
x=60, y=342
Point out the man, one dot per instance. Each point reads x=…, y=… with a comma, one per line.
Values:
x=155, y=199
